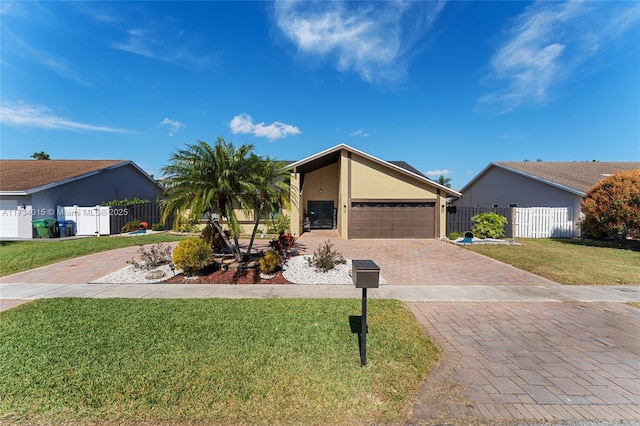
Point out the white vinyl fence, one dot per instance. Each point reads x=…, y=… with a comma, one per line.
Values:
x=88, y=220
x=543, y=222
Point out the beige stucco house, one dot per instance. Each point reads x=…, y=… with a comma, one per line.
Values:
x=362, y=196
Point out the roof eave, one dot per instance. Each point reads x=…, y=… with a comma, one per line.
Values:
x=377, y=160
x=541, y=180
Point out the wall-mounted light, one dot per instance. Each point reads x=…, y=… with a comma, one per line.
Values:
x=321, y=190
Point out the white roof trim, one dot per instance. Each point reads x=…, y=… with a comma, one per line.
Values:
x=377, y=160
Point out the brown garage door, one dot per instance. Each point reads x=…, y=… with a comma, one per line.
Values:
x=392, y=220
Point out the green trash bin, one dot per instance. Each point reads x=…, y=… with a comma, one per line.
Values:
x=46, y=227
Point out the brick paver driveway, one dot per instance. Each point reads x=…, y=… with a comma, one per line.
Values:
x=527, y=362
x=422, y=262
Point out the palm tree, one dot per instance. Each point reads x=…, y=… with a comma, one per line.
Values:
x=211, y=181
x=271, y=181
x=444, y=181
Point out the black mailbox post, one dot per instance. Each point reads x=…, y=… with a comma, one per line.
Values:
x=365, y=274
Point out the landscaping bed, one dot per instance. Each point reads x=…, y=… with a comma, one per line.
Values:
x=213, y=275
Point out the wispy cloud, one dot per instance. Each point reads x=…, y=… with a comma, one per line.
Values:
x=548, y=44
x=55, y=63
x=361, y=133
x=243, y=123
x=24, y=115
x=161, y=39
x=174, y=125
x=371, y=39
x=437, y=172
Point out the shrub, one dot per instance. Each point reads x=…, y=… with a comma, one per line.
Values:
x=283, y=242
x=185, y=224
x=157, y=227
x=281, y=223
x=612, y=206
x=270, y=261
x=156, y=256
x=132, y=225
x=192, y=255
x=325, y=258
x=454, y=236
x=489, y=225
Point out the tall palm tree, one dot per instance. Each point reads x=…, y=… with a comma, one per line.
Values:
x=212, y=181
x=271, y=182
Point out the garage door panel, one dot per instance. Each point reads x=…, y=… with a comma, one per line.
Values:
x=392, y=220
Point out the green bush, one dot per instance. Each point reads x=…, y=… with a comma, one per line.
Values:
x=454, y=236
x=325, y=258
x=488, y=225
x=269, y=261
x=281, y=223
x=184, y=224
x=191, y=255
x=157, y=227
x=132, y=225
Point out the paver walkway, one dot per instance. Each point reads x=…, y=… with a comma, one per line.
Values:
x=532, y=362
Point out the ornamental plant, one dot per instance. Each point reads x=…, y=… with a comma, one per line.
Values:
x=325, y=258
x=283, y=242
x=270, y=261
x=488, y=225
x=192, y=255
x=612, y=206
x=157, y=255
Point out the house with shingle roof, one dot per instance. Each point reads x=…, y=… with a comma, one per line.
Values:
x=537, y=184
x=33, y=189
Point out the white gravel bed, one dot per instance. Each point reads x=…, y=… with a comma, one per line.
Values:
x=131, y=275
x=297, y=271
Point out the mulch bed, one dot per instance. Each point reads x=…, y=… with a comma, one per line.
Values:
x=217, y=276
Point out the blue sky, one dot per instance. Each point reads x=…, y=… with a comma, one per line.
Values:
x=447, y=86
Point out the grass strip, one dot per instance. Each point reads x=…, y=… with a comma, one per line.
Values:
x=569, y=261
x=18, y=256
x=251, y=361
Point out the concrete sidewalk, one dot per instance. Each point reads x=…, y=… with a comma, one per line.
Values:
x=405, y=293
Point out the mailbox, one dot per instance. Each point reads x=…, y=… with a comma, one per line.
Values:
x=365, y=274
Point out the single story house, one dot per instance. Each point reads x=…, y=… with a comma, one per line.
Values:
x=362, y=196
x=33, y=189
x=537, y=184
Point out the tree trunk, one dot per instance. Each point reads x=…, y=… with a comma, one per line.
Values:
x=234, y=249
x=255, y=229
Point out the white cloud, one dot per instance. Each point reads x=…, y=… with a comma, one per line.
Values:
x=24, y=115
x=370, y=39
x=243, y=123
x=360, y=133
x=174, y=125
x=551, y=42
x=437, y=172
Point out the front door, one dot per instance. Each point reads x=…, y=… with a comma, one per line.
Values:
x=321, y=214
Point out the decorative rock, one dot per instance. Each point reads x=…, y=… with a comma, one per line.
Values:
x=155, y=275
x=252, y=264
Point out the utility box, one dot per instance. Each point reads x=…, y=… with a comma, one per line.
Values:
x=365, y=274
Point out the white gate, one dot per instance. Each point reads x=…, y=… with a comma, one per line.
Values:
x=88, y=220
x=544, y=222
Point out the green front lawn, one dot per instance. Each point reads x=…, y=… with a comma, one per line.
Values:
x=268, y=361
x=17, y=256
x=571, y=261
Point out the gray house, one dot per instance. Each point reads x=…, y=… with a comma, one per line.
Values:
x=33, y=189
x=536, y=184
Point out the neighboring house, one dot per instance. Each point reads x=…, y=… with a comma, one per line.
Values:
x=33, y=189
x=537, y=184
x=362, y=196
